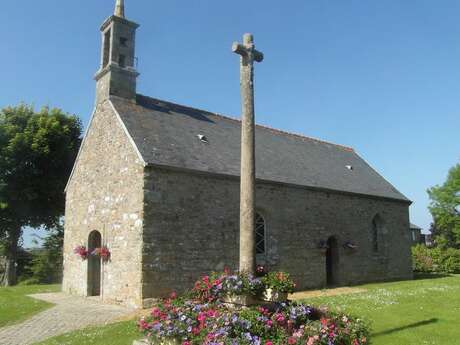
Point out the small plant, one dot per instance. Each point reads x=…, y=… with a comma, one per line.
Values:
x=279, y=282
x=261, y=271
x=81, y=251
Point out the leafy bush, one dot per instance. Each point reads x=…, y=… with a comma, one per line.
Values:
x=451, y=261
x=279, y=281
x=435, y=260
x=422, y=259
x=30, y=281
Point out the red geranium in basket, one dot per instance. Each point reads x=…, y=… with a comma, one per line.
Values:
x=81, y=251
x=103, y=253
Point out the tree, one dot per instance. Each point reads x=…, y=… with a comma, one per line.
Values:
x=46, y=264
x=445, y=209
x=37, y=152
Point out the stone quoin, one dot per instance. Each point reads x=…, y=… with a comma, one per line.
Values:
x=158, y=184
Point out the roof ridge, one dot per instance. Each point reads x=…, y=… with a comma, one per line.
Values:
x=280, y=131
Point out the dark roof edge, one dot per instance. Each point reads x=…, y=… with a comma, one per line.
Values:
x=292, y=185
x=279, y=131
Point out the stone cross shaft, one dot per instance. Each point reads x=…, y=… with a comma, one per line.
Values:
x=120, y=8
x=248, y=167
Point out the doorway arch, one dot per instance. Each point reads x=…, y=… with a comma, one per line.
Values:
x=332, y=261
x=94, y=264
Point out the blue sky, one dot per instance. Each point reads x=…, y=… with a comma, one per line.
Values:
x=380, y=76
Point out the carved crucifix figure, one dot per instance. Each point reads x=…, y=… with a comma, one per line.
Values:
x=248, y=167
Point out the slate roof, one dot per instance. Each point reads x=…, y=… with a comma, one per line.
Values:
x=167, y=134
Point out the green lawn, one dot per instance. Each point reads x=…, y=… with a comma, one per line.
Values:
x=424, y=311
x=419, y=312
x=15, y=306
x=122, y=333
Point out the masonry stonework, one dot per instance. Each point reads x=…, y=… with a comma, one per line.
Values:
x=191, y=228
x=105, y=194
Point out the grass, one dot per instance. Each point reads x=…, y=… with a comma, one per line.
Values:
x=419, y=312
x=121, y=333
x=424, y=311
x=15, y=306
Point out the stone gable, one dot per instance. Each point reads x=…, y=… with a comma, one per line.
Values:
x=105, y=193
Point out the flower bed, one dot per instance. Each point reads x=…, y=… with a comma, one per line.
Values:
x=227, y=285
x=199, y=317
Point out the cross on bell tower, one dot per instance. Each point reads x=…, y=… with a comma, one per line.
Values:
x=117, y=74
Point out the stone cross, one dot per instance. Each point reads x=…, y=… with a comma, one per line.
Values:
x=248, y=167
x=120, y=8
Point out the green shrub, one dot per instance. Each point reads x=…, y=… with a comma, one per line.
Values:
x=451, y=261
x=279, y=281
x=435, y=260
x=29, y=281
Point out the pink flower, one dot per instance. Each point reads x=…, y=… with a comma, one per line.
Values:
x=268, y=342
x=155, y=312
x=263, y=310
x=201, y=317
x=292, y=340
x=142, y=324
x=186, y=343
x=211, y=313
x=280, y=317
x=298, y=333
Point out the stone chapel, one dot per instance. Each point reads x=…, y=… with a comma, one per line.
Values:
x=157, y=183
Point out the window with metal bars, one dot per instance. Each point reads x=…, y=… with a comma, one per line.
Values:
x=260, y=234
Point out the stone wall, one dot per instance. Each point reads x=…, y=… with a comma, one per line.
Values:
x=106, y=194
x=191, y=227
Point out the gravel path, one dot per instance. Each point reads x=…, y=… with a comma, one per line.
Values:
x=69, y=313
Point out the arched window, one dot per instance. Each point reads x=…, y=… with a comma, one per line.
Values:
x=376, y=229
x=260, y=234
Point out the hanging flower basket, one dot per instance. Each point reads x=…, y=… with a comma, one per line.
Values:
x=350, y=245
x=81, y=251
x=102, y=252
x=323, y=246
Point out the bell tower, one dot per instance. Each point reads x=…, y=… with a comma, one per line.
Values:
x=117, y=74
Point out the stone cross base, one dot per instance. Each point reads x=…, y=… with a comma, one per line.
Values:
x=240, y=301
x=141, y=342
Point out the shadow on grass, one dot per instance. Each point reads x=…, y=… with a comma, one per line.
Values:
x=402, y=328
x=419, y=276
